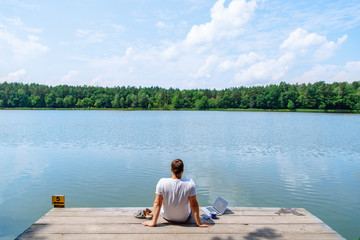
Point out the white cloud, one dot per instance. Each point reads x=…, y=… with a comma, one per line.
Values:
x=113, y=62
x=170, y=53
x=265, y=71
x=302, y=42
x=328, y=48
x=90, y=36
x=18, y=76
x=118, y=69
x=17, y=22
x=350, y=72
x=242, y=61
x=332, y=73
x=255, y=69
x=98, y=81
x=300, y=39
x=129, y=52
x=22, y=48
x=16, y=47
x=24, y=4
x=225, y=22
x=205, y=43
x=14, y=21
x=70, y=78
x=207, y=68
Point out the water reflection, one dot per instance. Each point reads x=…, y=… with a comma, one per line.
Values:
x=114, y=159
x=18, y=163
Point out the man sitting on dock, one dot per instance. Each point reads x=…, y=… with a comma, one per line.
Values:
x=176, y=198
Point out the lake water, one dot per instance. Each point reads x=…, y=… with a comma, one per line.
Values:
x=115, y=158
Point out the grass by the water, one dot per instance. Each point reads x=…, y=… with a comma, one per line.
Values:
x=194, y=109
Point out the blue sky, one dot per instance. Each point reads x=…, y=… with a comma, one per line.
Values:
x=179, y=43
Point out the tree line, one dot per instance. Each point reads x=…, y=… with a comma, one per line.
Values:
x=319, y=95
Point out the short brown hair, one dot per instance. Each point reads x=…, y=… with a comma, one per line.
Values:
x=177, y=166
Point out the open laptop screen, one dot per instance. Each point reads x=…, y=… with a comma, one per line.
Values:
x=220, y=204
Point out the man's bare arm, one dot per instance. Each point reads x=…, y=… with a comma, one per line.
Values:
x=156, y=211
x=195, y=211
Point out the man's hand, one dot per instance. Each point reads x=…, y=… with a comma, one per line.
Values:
x=204, y=224
x=156, y=211
x=149, y=223
x=195, y=210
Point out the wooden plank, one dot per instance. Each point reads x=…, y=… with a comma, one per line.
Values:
x=121, y=209
x=251, y=235
x=130, y=211
x=221, y=220
x=119, y=223
x=166, y=228
x=250, y=210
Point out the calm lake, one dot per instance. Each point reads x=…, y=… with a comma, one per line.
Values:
x=115, y=159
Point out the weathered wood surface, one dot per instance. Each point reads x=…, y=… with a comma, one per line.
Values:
x=120, y=223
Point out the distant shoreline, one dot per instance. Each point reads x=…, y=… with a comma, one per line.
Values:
x=317, y=97
x=192, y=109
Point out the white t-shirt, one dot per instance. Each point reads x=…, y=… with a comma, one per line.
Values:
x=176, y=193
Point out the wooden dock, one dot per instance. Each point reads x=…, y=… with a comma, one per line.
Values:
x=236, y=223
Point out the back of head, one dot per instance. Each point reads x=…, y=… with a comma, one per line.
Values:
x=177, y=167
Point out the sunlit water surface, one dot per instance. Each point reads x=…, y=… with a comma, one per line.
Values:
x=115, y=158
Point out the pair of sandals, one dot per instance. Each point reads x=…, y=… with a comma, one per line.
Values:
x=144, y=214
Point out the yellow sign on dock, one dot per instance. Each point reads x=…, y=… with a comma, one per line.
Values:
x=58, y=201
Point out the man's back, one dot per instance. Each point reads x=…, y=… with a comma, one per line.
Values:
x=176, y=193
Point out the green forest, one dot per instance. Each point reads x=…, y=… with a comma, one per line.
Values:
x=319, y=95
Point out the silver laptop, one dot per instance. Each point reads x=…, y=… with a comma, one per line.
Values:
x=219, y=207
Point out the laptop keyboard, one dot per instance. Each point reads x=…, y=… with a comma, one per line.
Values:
x=211, y=209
